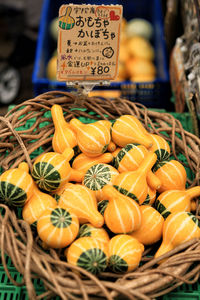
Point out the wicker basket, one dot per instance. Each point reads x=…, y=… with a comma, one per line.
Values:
x=149, y=280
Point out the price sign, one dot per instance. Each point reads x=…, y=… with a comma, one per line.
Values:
x=88, y=42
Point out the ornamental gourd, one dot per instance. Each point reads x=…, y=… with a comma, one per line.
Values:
x=64, y=137
x=38, y=203
x=57, y=227
x=151, y=227
x=98, y=176
x=16, y=186
x=172, y=175
x=97, y=233
x=51, y=171
x=176, y=200
x=88, y=253
x=93, y=139
x=128, y=129
x=82, y=202
x=160, y=147
x=83, y=162
x=134, y=183
x=124, y=253
x=178, y=228
x=151, y=196
x=122, y=214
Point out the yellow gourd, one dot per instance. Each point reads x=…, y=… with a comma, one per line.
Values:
x=82, y=202
x=160, y=147
x=16, y=185
x=151, y=196
x=124, y=253
x=151, y=227
x=88, y=253
x=38, y=202
x=83, y=162
x=128, y=129
x=172, y=175
x=178, y=228
x=51, y=171
x=93, y=139
x=176, y=200
x=134, y=183
x=64, y=137
x=122, y=214
x=97, y=233
x=57, y=227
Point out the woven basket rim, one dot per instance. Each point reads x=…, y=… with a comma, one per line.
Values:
x=146, y=282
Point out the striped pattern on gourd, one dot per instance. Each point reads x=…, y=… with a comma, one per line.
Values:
x=57, y=227
x=124, y=253
x=16, y=187
x=172, y=175
x=151, y=196
x=160, y=147
x=97, y=233
x=89, y=254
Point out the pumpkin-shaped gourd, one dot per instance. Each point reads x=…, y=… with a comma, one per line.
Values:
x=97, y=233
x=16, y=186
x=128, y=129
x=64, y=137
x=83, y=162
x=82, y=202
x=130, y=157
x=38, y=203
x=176, y=200
x=124, y=253
x=52, y=170
x=178, y=228
x=122, y=214
x=93, y=139
x=134, y=183
x=160, y=147
x=88, y=253
x=98, y=176
x=151, y=227
x=151, y=196
x=172, y=175
x=57, y=227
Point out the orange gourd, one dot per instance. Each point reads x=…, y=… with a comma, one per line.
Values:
x=160, y=147
x=134, y=183
x=51, y=171
x=88, y=253
x=122, y=214
x=124, y=253
x=82, y=202
x=16, y=186
x=151, y=196
x=57, y=227
x=178, y=228
x=128, y=129
x=93, y=139
x=151, y=227
x=38, y=202
x=64, y=137
x=97, y=233
x=176, y=200
x=172, y=175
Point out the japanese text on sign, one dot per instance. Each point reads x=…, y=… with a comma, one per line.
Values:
x=88, y=42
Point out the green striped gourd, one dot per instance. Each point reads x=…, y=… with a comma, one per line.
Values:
x=57, y=227
x=16, y=186
x=151, y=196
x=128, y=129
x=124, y=253
x=98, y=176
x=93, y=139
x=134, y=183
x=97, y=233
x=63, y=137
x=82, y=202
x=178, y=228
x=88, y=253
x=51, y=171
x=160, y=147
x=176, y=200
x=122, y=214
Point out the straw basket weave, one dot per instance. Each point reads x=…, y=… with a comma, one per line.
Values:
x=150, y=279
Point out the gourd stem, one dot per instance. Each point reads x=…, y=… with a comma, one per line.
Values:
x=57, y=116
x=193, y=192
x=147, y=163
